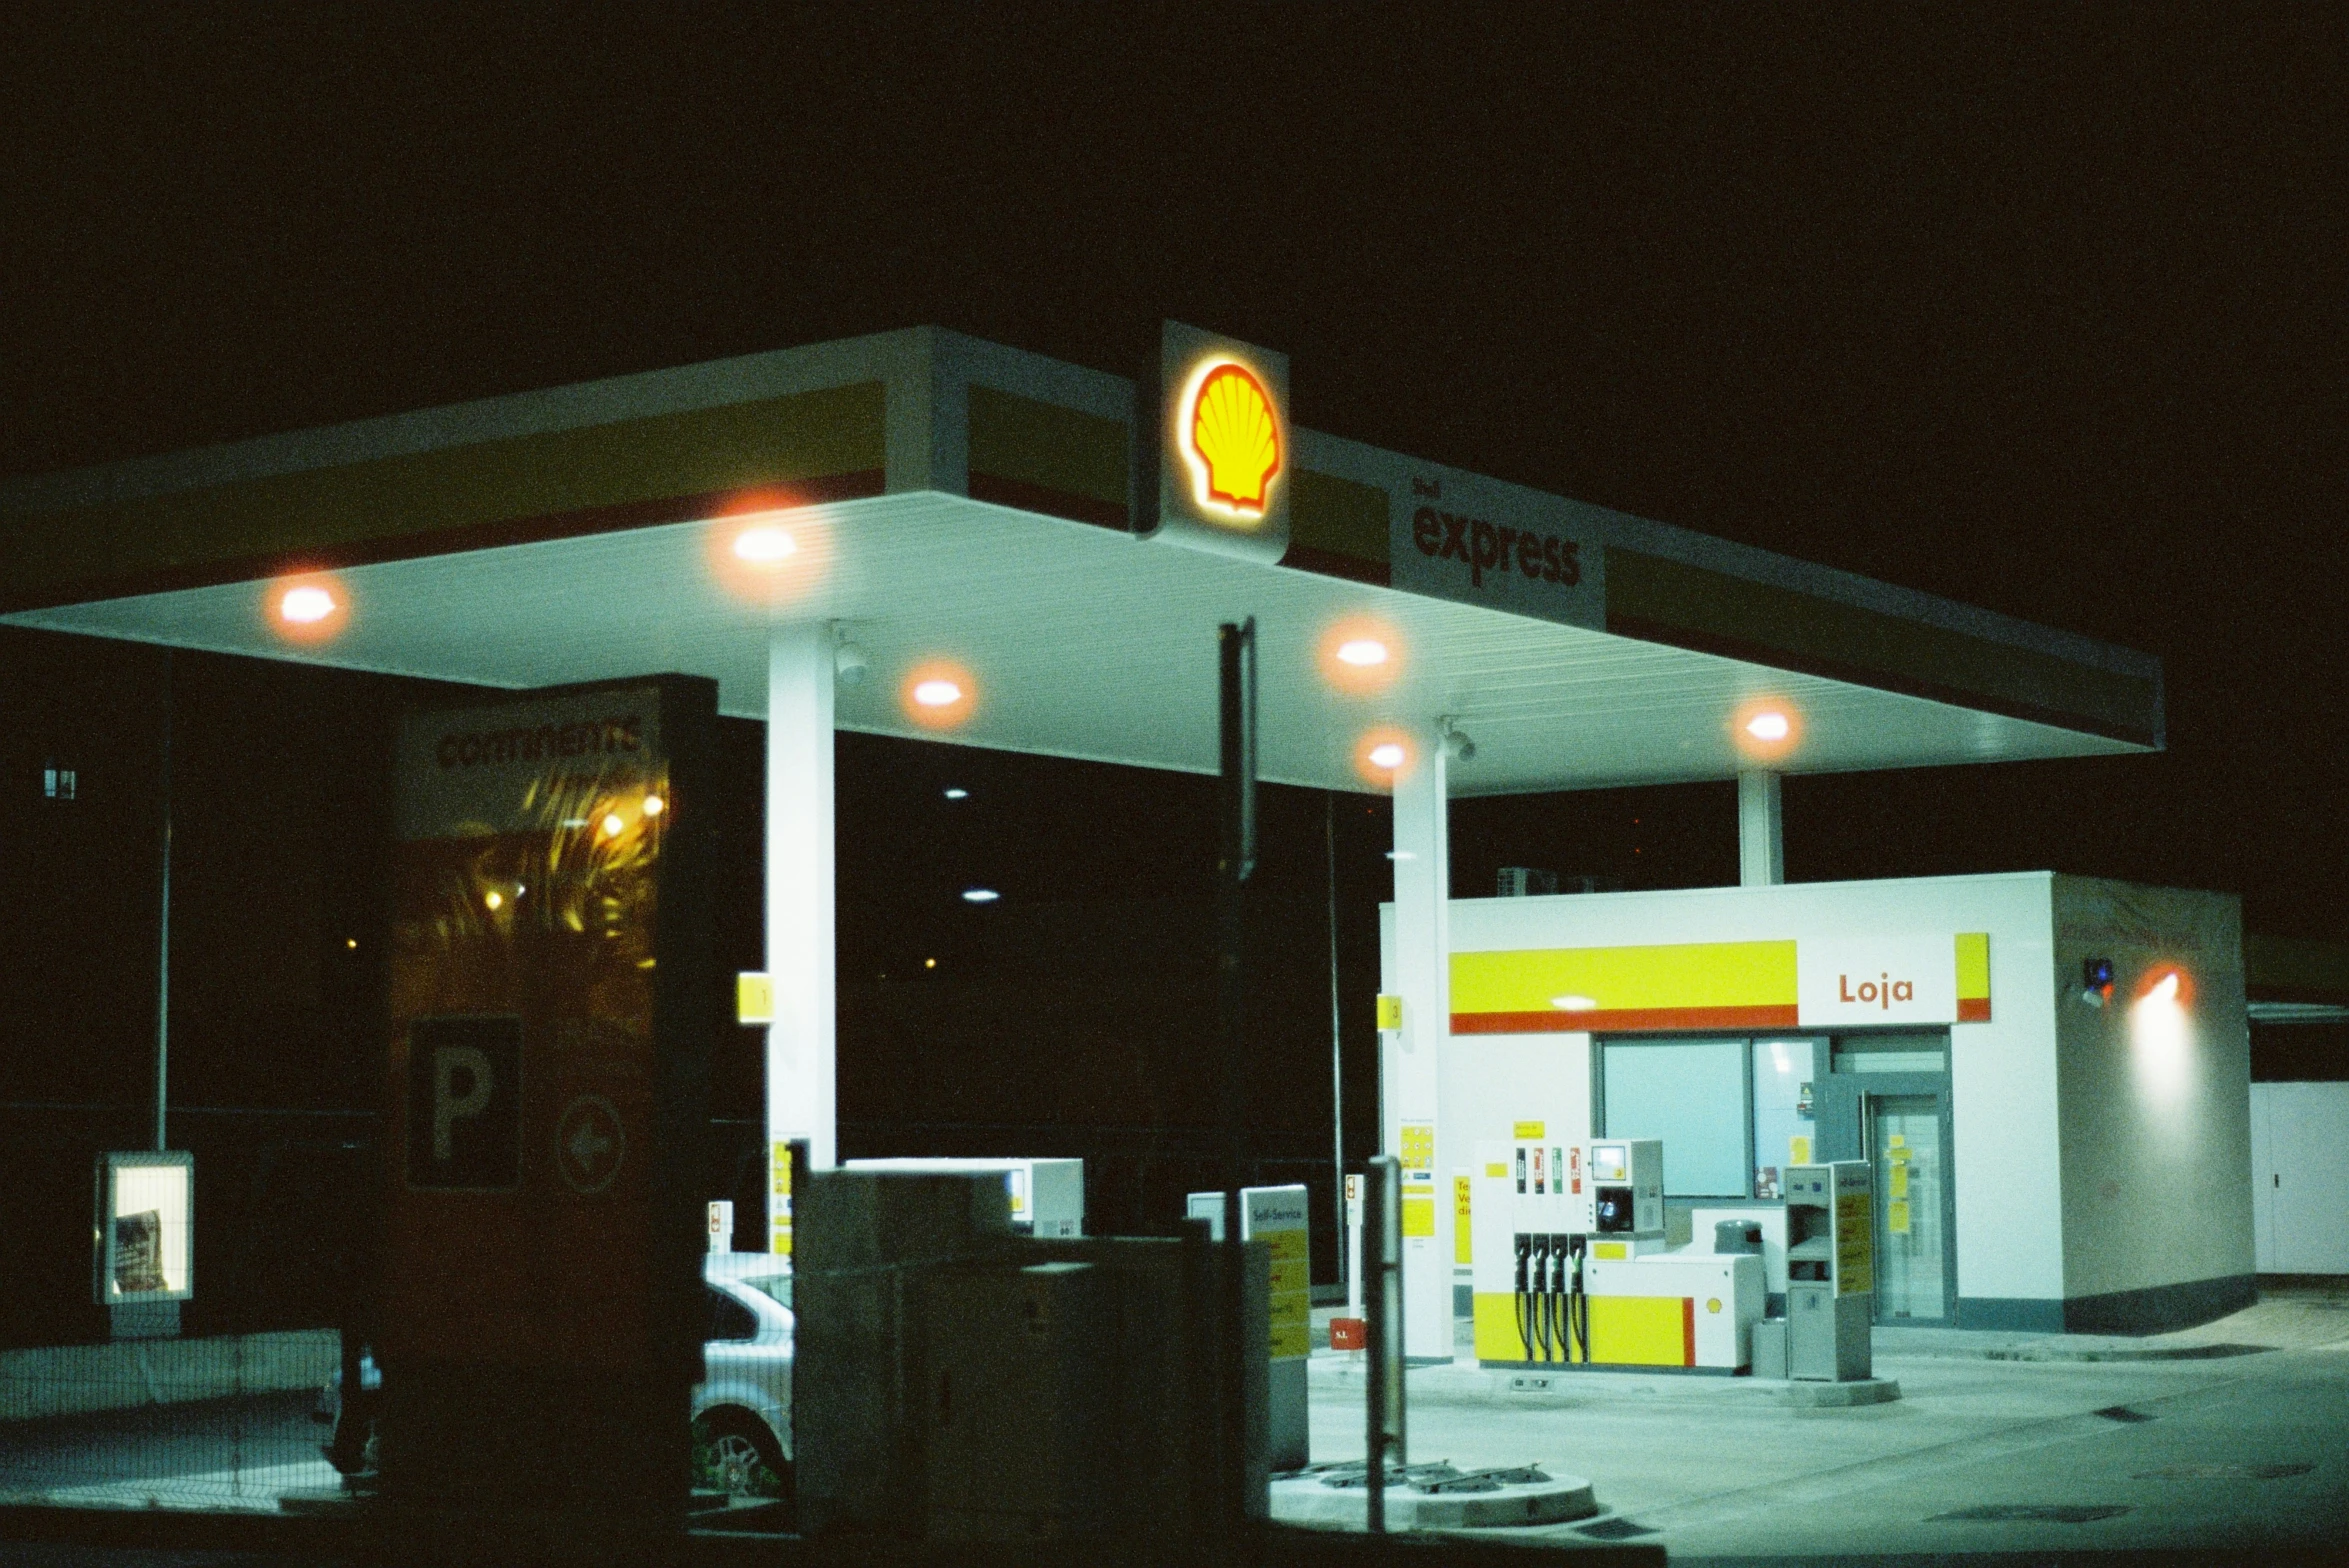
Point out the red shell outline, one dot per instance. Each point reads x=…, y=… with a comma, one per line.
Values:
x=1232, y=367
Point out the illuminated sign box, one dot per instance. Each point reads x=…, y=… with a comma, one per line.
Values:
x=146, y=1208
x=1224, y=461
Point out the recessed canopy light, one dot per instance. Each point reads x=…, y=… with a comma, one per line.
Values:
x=980, y=895
x=493, y=898
x=306, y=605
x=765, y=545
x=958, y=794
x=1387, y=754
x=612, y=824
x=1362, y=651
x=1574, y=1004
x=654, y=805
x=937, y=692
x=1770, y=725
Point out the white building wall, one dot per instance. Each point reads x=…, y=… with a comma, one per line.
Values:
x=2156, y=1105
x=2004, y=1103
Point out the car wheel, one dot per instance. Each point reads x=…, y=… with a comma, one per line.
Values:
x=737, y=1455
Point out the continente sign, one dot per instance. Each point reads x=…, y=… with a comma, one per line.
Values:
x=1223, y=457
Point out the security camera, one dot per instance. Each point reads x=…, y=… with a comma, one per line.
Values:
x=1457, y=745
x=849, y=664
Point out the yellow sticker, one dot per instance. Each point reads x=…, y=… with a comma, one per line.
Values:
x=1390, y=1012
x=1495, y=1170
x=1525, y=1131
x=1460, y=1248
x=1613, y=1251
x=1712, y=1303
x=1898, y=1187
x=1798, y=1150
x=1418, y=1151
x=1418, y=1215
x=1898, y=1140
x=1855, y=1245
x=1896, y=1217
x=754, y=998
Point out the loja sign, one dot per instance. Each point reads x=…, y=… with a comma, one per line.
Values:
x=1876, y=980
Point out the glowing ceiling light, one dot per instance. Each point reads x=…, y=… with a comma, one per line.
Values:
x=2164, y=990
x=1387, y=754
x=1574, y=1004
x=654, y=805
x=980, y=895
x=1362, y=652
x=763, y=546
x=958, y=794
x=937, y=692
x=306, y=605
x=1769, y=726
x=612, y=824
x=493, y=898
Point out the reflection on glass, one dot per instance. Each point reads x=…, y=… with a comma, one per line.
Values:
x=1905, y=1131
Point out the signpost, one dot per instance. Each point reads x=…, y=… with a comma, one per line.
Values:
x=551, y=1007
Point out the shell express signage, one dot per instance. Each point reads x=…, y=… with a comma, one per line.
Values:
x=1224, y=463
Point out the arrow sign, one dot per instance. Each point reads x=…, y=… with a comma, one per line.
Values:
x=589, y=1144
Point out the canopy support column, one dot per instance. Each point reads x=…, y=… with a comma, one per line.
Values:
x=1414, y=1053
x=1761, y=843
x=800, y=891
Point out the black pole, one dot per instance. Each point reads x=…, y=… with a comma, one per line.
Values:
x=1236, y=859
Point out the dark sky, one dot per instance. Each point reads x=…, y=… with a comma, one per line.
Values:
x=2042, y=310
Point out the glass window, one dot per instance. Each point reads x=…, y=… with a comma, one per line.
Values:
x=1892, y=1053
x=1782, y=1109
x=776, y=1287
x=1691, y=1094
x=730, y=1319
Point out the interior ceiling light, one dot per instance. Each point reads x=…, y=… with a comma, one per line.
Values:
x=938, y=694
x=958, y=794
x=306, y=605
x=764, y=545
x=654, y=805
x=980, y=895
x=612, y=824
x=1359, y=655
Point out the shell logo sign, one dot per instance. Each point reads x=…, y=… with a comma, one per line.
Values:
x=1223, y=455
x=1232, y=438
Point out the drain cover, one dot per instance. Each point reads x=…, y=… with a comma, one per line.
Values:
x=2122, y=1413
x=1613, y=1530
x=2214, y=1472
x=2025, y=1513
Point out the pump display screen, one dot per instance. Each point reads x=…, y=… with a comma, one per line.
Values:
x=1614, y=1210
x=1610, y=1162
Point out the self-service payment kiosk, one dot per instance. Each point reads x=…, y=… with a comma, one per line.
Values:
x=1578, y=1274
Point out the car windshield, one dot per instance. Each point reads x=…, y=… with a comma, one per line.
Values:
x=776, y=1285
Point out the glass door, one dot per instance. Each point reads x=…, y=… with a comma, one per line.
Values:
x=1902, y=1134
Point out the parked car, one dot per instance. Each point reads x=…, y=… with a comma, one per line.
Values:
x=741, y=1406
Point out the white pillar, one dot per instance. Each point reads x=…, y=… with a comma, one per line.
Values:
x=1761, y=845
x=1414, y=1054
x=800, y=890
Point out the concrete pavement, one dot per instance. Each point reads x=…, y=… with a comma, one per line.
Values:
x=2239, y=1452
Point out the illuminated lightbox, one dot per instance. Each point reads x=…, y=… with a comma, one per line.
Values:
x=146, y=1204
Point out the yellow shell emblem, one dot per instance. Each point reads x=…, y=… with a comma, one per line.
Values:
x=1235, y=438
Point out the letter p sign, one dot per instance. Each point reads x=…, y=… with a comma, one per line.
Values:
x=465, y=1103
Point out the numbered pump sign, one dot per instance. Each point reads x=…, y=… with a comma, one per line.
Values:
x=551, y=1005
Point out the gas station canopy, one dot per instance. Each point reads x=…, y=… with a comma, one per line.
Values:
x=954, y=506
